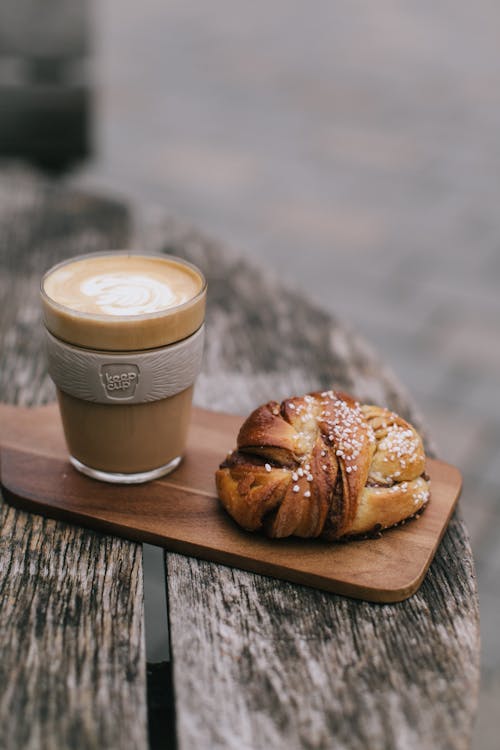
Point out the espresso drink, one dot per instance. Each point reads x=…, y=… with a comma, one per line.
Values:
x=124, y=340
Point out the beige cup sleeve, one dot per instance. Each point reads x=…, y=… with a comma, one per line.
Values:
x=130, y=377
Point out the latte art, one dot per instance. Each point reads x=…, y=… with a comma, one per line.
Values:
x=127, y=294
x=115, y=285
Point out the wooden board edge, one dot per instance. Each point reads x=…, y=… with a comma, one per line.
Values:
x=401, y=593
x=380, y=594
x=348, y=589
x=219, y=557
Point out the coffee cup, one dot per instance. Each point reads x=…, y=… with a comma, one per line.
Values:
x=124, y=335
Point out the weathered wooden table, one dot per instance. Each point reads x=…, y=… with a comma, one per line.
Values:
x=256, y=663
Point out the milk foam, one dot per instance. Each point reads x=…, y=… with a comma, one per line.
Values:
x=122, y=285
x=128, y=294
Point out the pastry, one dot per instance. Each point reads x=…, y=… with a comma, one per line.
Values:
x=323, y=465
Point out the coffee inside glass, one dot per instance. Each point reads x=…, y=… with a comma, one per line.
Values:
x=124, y=341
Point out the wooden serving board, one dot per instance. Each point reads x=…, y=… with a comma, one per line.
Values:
x=181, y=512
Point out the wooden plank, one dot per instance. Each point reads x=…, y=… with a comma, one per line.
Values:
x=264, y=665
x=181, y=512
x=71, y=620
x=71, y=633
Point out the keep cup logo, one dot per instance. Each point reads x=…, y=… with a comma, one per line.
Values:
x=119, y=380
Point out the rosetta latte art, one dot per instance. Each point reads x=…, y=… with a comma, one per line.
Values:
x=127, y=294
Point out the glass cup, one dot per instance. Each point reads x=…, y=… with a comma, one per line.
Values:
x=124, y=342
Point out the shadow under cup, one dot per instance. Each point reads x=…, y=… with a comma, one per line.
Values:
x=125, y=382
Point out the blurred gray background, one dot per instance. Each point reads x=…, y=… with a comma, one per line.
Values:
x=354, y=149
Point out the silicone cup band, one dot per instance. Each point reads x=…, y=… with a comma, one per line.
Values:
x=129, y=377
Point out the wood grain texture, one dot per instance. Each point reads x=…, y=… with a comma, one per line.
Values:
x=260, y=665
x=181, y=511
x=71, y=620
x=256, y=664
x=72, y=644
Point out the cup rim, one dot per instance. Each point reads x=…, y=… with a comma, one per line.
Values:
x=123, y=318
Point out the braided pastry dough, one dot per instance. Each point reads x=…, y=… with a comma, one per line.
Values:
x=323, y=465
